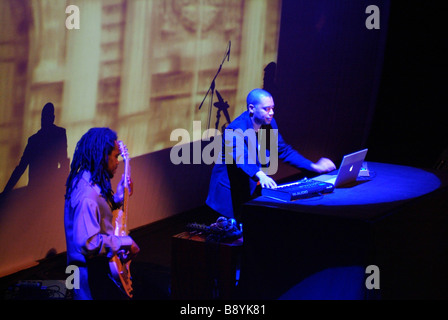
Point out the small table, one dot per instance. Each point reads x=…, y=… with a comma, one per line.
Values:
x=204, y=270
x=397, y=221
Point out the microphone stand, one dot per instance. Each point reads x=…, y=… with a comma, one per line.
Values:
x=212, y=86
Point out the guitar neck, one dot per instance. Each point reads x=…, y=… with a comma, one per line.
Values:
x=127, y=177
x=125, y=203
x=124, y=217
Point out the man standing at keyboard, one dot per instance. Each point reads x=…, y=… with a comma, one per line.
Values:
x=234, y=182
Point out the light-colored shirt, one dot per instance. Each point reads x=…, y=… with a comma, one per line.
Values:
x=88, y=225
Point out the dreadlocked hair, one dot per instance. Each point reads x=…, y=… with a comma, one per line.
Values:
x=91, y=154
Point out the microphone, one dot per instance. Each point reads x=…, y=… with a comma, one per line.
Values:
x=228, y=52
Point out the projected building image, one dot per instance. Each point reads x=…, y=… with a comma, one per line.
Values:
x=140, y=67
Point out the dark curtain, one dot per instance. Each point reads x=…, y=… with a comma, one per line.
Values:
x=410, y=122
x=328, y=75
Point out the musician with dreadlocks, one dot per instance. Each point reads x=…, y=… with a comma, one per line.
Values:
x=89, y=202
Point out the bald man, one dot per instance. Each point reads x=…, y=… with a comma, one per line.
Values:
x=233, y=181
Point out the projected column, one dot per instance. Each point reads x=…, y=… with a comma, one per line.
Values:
x=136, y=76
x=82, y=71
x=252, y=49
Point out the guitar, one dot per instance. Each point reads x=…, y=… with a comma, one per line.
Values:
x=119, y=267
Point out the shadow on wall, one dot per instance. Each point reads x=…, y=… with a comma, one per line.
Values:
x=32, y=217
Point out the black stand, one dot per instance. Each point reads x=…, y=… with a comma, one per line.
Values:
x=222, y=107
x=212, y=85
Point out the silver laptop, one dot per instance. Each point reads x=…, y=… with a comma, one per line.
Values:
x=348, y=171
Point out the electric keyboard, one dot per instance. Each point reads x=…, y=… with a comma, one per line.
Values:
x=300, y=189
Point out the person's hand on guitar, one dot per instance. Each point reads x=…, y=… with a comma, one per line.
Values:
x=119, y=195
x=134, y=250
x=129, y=253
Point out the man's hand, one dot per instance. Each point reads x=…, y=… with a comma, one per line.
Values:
x=265, y=181
x=119, y=195
x=323, y=165
x=133, y=250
